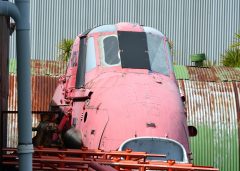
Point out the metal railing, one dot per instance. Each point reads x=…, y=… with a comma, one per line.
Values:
x=83, y=159
x=9, y=127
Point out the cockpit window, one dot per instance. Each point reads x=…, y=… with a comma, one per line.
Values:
x=158, y=53
x=91, y=56
x=134, y=50
x=139, y=50
x=109, y=52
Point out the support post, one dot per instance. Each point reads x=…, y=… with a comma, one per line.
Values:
x=20, y=12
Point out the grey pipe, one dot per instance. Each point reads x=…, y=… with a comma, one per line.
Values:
x=20, y=13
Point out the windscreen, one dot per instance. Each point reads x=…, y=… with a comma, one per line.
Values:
x=133, y=50
x=158, y=53
x=137, y=50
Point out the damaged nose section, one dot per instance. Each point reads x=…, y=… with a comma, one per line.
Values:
x=73, y=138
x=156, y=145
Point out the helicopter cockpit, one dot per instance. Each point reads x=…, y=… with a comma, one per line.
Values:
x=138, y=50
x=131, y=46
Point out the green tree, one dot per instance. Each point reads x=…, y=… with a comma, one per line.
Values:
x=237, y=43
x=231, y=58
x=65, y=47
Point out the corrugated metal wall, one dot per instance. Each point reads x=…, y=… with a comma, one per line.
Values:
x=45, y=75
x=195, y=26
x=42, y=91
x=212, y=109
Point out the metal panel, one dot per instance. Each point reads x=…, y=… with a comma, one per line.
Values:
x=237, y=93
x=202, y=74
x=199, y=26
x=227, y=73
x=43, y=88
x=48, y=68
x=207, y=74
x=12, y=65
x=211, y=107
x=12, y=127
x=12, y=93
x=181, y=72
x=44, y=81
x=41, y=67
x=12, y=131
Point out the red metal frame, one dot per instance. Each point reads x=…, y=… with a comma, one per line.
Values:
x=83, y=159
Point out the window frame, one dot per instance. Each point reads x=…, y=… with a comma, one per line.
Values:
x=102, y=59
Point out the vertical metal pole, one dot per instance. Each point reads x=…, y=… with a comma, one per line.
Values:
x=25, y=147
x=21, y=14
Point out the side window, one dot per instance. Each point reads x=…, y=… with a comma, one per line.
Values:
x=91, y=56
x=109, y=51
x=158, y=54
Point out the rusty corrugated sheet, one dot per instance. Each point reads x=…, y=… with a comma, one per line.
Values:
x=12, y=128
x=237, y=92
x=42, y=91
x=212, y=108
x=41, y=67
x=12, y=93
x=227, y=73
x=238, y=102
x=202, y=74
x=212, y=74
x=44, y=81
x=52, y=68
x=43, y=88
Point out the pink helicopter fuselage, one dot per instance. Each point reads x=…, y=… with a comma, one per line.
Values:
x=121, y=103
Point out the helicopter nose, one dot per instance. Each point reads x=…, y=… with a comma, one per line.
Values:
x=73, y=138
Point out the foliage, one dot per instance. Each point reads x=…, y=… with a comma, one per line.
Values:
x=170, y=42
x=237, y=43
x=231, y=58
x=65, y=48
